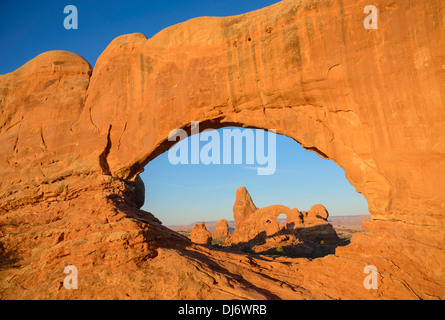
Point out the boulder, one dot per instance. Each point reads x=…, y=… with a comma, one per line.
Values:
x=200, y=234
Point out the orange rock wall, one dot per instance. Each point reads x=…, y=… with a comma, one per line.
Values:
x=370, y=100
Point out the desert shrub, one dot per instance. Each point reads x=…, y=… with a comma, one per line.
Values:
x=280, y=250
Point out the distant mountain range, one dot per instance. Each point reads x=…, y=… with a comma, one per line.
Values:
x=339, y=222
x=349, y=222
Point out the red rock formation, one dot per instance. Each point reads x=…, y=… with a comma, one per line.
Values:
x=370, y=100
x=317, y=213
x=262, y=223
x=222, y=230
x=200, y=234
x=243, y=206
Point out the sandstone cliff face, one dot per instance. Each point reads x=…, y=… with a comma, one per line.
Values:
x=370, y=100
x=40, y=104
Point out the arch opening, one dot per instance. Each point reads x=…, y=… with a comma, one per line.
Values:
x=282, y=221
x=184, y=194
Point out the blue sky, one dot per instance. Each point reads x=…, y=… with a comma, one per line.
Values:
x=185, y=193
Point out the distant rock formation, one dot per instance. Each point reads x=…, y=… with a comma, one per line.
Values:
x=222, y=230
x=243, y=206
x=316, y=213
x=253, y=223
x=200, y=234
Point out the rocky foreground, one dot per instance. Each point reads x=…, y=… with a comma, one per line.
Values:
x=73, y=142
x=125, y=253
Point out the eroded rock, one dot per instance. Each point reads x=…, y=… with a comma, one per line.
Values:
x=222, y=230
x=261, y=224
x=200, y=234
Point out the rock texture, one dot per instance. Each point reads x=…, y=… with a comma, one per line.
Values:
x=200, y=234
x=260, y=224
x=370, y=100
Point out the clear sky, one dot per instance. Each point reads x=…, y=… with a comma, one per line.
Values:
x=185, y=193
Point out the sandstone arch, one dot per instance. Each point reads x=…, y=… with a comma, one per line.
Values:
x=373, y=102
x=258, y=224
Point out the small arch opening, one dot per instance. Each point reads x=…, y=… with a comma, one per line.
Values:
x=282, y=221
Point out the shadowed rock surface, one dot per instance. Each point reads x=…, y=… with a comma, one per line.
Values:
x=73, y=143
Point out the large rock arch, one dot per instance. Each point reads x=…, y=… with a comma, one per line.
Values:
x=370, y=100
